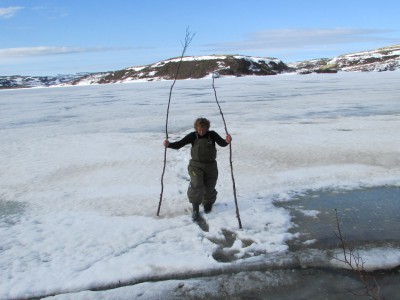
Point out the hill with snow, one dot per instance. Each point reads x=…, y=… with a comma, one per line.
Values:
x=16, y=81
x=195, y=67
x=192, y=67
x=382, y=59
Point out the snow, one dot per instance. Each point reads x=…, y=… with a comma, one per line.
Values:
x=221, y=57
x=368, y=259
x=309, y=213
x=80, y=167
x=90, y=79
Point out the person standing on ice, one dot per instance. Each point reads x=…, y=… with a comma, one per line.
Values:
x=203, y=170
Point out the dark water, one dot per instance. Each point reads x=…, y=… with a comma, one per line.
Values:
x=367, y=217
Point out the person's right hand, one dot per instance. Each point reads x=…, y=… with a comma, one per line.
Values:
x=166, y=143
x=228, y=138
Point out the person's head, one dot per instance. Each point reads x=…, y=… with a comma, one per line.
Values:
x=201, y=125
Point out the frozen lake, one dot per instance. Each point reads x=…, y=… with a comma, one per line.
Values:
x=80, y=175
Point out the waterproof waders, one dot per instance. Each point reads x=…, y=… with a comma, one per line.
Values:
x=203, y=174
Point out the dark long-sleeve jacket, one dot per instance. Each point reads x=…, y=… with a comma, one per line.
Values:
x=191, y=137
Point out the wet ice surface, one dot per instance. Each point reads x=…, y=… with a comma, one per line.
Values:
x=10, y=212
x=367, y=216
x=272, y=284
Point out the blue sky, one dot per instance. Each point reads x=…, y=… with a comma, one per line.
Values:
x=49, y=37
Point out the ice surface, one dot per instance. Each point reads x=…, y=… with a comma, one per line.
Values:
x=83, y=166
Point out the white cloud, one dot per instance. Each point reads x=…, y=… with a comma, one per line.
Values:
x=43, y=51
x=9, y=12
x=51, y=12
x=285, y=39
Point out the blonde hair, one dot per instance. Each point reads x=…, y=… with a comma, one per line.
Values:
x=202, y=122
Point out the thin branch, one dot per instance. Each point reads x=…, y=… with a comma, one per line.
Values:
x=230, y=155
x=188, y=39
x=356, y=264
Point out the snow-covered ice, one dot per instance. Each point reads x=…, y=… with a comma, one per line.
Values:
x=80, y=172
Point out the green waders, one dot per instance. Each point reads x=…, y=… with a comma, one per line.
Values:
x=203, y=173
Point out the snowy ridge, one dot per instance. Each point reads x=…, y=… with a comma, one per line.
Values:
x=382, y=59
x=222, y=57
x=40, y=81
x=90, y=79
x=192, y=67
x=196, y=67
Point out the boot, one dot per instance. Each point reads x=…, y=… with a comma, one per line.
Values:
x=196, y=213
x=207, y=207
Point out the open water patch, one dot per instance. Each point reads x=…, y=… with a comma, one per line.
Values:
x=368, y=217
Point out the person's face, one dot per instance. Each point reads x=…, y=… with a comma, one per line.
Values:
x=201, y=130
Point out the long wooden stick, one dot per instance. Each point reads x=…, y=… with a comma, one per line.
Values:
x=188, y=38
x=230, y=155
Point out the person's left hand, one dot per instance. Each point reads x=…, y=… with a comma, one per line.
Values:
x=228, y=139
